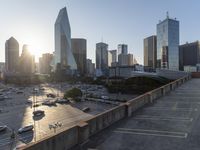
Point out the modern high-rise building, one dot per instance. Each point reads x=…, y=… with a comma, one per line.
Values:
x=26, y=62
x=63, y=52
x=102, y=57
x=113, y=60
x=125, y=60
x=168, y=44
x=90, y=68
x=189, y=54
x=11, y=55
x=122, y=49
x=45, y=63
x=150, y=49
x=79, y=49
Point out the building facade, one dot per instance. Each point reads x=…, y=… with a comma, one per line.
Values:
x=45, y=63
x=125, y=60
x=26, y=62
x=150, y=49
x=79, y=49
x=189, y=54
x=102, y=58
x=63, y=53
x=168, y=43
x=11, y=55
x=90, y=68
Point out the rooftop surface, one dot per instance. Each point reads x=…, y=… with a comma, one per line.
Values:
x=172, y=122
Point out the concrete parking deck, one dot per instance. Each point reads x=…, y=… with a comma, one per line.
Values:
x=171, y=123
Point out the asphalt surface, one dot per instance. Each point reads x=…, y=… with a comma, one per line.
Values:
x=16, y=113
x=171, y=123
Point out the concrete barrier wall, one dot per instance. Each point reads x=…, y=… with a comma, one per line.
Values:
x=80, y=133
x=105, y=119
x=62, y=140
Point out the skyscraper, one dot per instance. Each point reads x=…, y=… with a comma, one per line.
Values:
x=122, y=49
x=150, y=49
x=27, y=61
x=113, y=57
x=11, y=55
x=167, y=44
x=45, y=63
x=63, y=52
x=189, y=54
x=79, y=49
x=102, y=57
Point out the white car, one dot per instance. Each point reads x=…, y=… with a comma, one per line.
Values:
x=38, y=113
x=25, y=129
x=3, y=128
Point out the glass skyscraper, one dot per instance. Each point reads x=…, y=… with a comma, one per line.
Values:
x=168, y=44
x=63, y=52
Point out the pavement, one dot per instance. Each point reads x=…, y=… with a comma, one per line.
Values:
x=16, y=113
x=171, y=123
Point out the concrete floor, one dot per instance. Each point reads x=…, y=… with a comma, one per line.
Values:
x=171, y=123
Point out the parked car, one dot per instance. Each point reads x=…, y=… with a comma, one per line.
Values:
x=51, y=95
x=61, y=101
x=25, y=129
x=38, y=113
x=3, y=128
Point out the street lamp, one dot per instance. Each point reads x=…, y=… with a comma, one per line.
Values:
x=55, y=126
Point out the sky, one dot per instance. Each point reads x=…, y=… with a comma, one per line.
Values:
x=111, y=21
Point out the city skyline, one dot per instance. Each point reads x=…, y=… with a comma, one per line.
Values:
x=37, y=31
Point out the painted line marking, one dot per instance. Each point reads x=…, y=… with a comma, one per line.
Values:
x=151, y=132
x=163, y=118
x=171, y=109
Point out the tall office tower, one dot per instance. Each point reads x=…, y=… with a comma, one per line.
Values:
x=150, y=49
x=113, y=56
x=168, y=44
x=79, y=49
x=27, y=61
x=189, y=54
x=63, y=52
x=45, y=63
x=11, y=55
x=90, y=68
x=125, y=60
x=122, y=49
x=102, y=57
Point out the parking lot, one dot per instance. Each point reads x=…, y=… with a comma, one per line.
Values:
x=16, y=111
x=171, y=123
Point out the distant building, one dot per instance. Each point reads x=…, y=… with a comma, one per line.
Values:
x=11, y=55
x=90, y=68
x=45, y=63
x=189, y=54
x=150, y=49
x=79, y=49
x=102, y=58
x=125, y=60
x=122, y=49
x=167, y=44
x=27, y=62
x=64, y=58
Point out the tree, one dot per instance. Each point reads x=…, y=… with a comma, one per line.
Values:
x=73, y=93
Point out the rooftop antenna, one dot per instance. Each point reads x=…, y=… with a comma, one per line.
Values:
x=167, y=15
x=102, y=39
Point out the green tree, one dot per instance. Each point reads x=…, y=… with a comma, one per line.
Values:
x=73, y=93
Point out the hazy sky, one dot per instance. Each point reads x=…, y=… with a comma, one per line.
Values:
x=117, y=21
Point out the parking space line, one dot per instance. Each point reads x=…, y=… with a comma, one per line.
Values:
x=163, y=118
x=171, y=109
x=151, y=132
